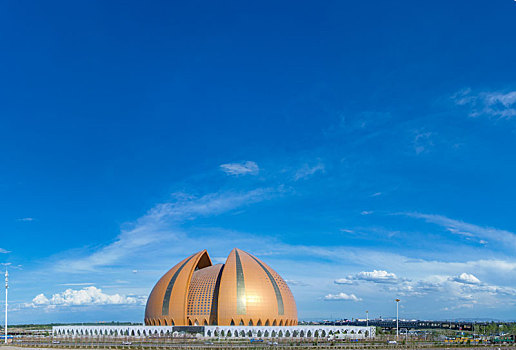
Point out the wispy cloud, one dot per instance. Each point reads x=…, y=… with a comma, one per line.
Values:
x=25, y=219
x=470, y=230
x=243, y=168
x=308, y=170
x=423, y=141
x=346, y=230
x=4, y=251
x=297, y=283
x=342, y=296
x=161, y=224
x=497, y=104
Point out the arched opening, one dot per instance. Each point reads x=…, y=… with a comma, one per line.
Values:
x=302, y=334
x=280, y=334
x=281, y=323
x=189, y=322
x=295, y=334
x=273, y=334
x=241, y=322
x=309, y=334
x=196, y=323
x=208, y=333
x=274, y=323
x=323, y=334
x=367, y=334
x=242, y=333
x=259, y=334
x=228, y=334
x=250, y=323
x=232, y=323
x=259, y=323
x=172, y=323
x=205, y=322
x=165, y=322
x=287, y=334
x=159, y=322
x=267, y=323
x=222, y=333
x=266, y=334
x=249, y=334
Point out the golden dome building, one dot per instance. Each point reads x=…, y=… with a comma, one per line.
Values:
x=242, y=292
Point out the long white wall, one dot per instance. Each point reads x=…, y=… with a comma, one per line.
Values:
x=351, y=332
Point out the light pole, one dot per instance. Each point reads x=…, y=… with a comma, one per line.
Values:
x=397, y=322
x=6, y=287
x=367, y=318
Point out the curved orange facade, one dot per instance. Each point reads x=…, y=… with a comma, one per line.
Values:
x=243, y=291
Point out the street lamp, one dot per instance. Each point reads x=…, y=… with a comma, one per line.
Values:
x=367, y=318
x=397, y=322
x=6, y=287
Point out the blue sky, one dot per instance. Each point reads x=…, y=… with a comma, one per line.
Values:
x=364, y=150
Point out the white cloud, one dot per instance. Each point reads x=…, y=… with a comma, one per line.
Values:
x=40, y=299
x=497, y=105
x=366, y=212
x=86, y=296
x=342, y=296
x=243, y=168
x=307, y=171
x=4, y=251
x=377, y=276
x=466, y=278
x=343, y=281
x=456, y=289
x=469, y=230
x=417, y=288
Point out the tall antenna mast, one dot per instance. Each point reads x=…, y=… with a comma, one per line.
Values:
x=6, y=288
